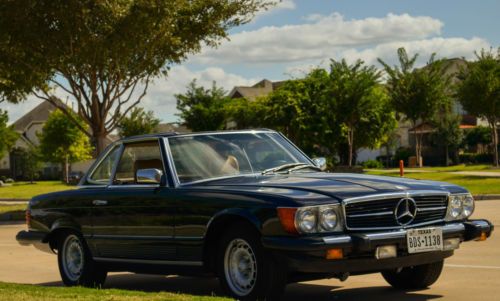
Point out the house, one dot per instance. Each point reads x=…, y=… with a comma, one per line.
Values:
x=28, y=126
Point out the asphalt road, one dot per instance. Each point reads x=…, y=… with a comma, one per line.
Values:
x=473, y=273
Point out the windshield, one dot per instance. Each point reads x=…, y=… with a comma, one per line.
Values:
x=201, y=157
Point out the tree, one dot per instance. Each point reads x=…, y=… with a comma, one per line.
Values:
x=103, y=54
x=418, y=94
x=27, y=162
x=139, y=122
x=360, y=104
x=7, y=134
x=203, y=109
x=479, y=91
x=297, y=109
x=61, y=141
x=448, y=133
x=245, y=114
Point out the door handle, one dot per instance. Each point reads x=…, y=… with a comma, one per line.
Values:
x=99, y=202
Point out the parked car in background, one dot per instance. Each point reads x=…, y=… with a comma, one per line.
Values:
x=74, y=177
x=250, y=208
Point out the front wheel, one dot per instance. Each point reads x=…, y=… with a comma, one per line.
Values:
x=416, y=277
x=246, y=271
x=76, y=265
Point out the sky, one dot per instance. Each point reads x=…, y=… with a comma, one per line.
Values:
x=297, y=35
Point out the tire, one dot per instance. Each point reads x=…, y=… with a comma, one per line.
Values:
x=257, y=276
x=76, y=266
x=417, y=277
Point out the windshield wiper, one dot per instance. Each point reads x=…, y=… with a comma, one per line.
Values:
x=304, y=166
x=284, y=167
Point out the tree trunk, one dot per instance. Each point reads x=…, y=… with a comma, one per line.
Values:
x=66, y=170
x=495, y=142
x=447, y=162
x=418, y=145
x=350, y=142
x=99, y=142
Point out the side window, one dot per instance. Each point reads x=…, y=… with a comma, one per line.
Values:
x=103, y=173
x=143, y=156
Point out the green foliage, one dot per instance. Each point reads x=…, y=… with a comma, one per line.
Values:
x=203, y=109
x=27, y=163
x=139, y=122
x=297, y=109
x=7, y=134
x=103, y=52
x=418, y=94
x=403, y=153
x=360, y=105
x=474, y=158
x=448, y=133
x=477, y=135
x=479, y=91
x=246, y=114
x=373, y=164
x=61, y=140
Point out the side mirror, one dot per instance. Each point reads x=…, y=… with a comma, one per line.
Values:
x=320, y=162
x=149, y=176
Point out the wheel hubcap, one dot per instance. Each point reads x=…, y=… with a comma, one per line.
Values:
x=73, y=258
x=240, y=267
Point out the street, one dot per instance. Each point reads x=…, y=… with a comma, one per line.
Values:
x=473, y=273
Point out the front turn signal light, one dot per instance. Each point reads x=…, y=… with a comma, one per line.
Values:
x=287, y=219
x=482, y=237
x=334, y=254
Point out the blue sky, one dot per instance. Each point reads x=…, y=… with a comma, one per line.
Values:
x=296, y=35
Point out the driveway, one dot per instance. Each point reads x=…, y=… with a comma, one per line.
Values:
x=472, y=274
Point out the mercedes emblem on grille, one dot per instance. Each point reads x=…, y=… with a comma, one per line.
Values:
x=405, y=211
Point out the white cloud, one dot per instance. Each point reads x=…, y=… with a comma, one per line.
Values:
x=280, y=6
x=318, y=38
x=443, y=47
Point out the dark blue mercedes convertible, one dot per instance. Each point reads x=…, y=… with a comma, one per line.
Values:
x=250, y=208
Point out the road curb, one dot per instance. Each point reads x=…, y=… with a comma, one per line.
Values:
x=486, y=197
x=10, y=200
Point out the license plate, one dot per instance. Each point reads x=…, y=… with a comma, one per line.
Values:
x=424, y=240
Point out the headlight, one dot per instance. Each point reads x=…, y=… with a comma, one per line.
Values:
x=460, y=206
x=328, y=219
x=455, y=207
x=311, y=219
x=468, y=206
x=306, y=220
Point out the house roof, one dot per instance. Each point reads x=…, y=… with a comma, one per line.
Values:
x=37, y=115
x=261, y=88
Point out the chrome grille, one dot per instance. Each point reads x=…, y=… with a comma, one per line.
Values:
x=365, y=215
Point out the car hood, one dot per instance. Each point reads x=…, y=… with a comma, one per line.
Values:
x=336, y=185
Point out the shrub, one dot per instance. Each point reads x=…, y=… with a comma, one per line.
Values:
x=403, y=153
x=471, y=158
x=372, y=164
x=9, y=180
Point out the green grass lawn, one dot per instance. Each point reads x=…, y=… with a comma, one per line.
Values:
x=461, y=167
x=25, y=190
x=475, y=184
x=31, y=292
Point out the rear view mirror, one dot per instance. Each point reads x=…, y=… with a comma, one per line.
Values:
x=149, y=176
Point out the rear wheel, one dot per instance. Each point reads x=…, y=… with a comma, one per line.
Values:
x=246, y=271
x=76, y=265
x=416, y=277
